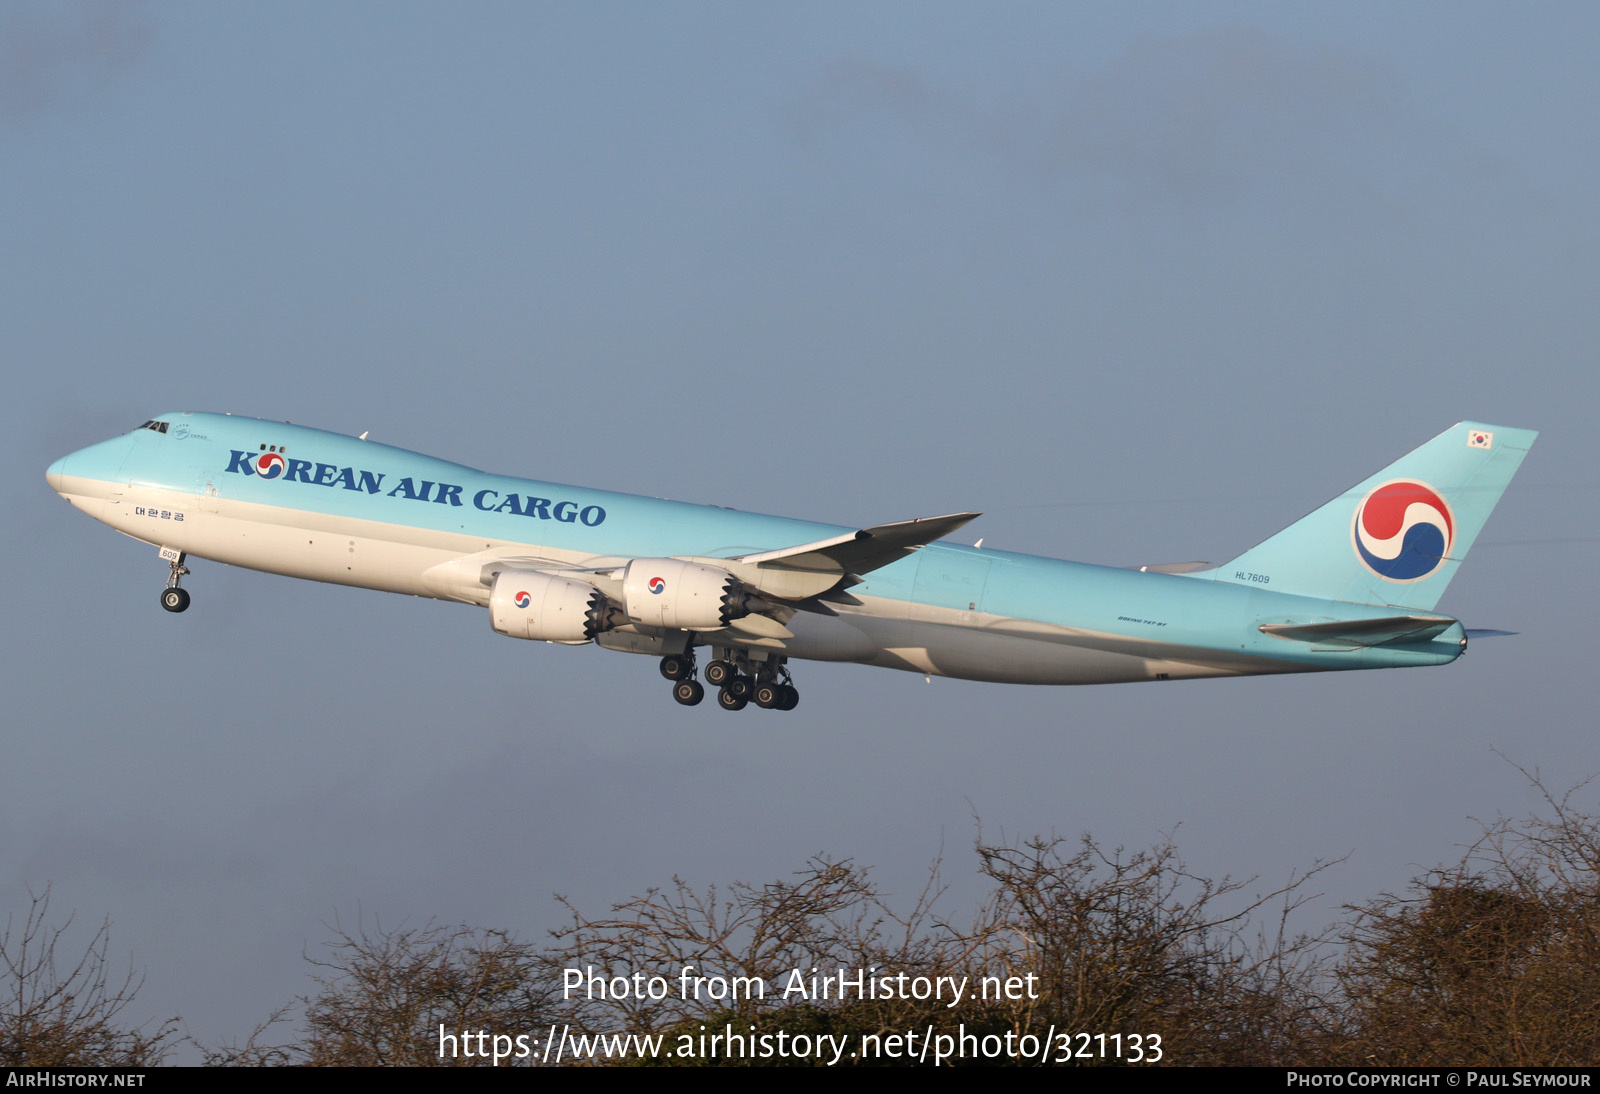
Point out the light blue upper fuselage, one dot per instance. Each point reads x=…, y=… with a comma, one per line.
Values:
x=1209, y=625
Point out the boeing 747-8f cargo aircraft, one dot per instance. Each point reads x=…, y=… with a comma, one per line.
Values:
x=1351, y=586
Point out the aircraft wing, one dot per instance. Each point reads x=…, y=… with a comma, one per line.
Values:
x=1357, y=633
x=787, y=574
x=860, y=551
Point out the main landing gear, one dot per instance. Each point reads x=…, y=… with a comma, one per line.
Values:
x=173, y=597
x=679, y=668
x=737, y=679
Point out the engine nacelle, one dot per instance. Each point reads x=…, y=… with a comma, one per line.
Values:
x=678, y=595
x=529, y=604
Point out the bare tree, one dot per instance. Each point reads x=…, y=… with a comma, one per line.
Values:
x=714, y=951
x=1135, y=943
x=62, y=1005
x=387, y=994
x=1492, y=961
x=406, y=997
x=1087, y=939
x=254, y=1051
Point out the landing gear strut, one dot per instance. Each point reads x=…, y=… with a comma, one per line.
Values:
x=173, y=597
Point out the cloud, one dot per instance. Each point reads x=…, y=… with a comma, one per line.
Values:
x=1206, y=113
x=1203, y=116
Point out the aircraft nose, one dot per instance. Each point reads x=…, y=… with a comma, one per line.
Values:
x=56, y=474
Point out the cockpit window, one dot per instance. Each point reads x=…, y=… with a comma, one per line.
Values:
x=159, y=427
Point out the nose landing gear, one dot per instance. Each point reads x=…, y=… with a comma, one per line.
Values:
x=174, y=598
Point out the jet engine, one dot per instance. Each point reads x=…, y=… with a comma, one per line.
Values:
x=679, y=595
x=545, y=608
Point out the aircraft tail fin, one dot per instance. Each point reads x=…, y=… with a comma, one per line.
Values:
x=1398, y=537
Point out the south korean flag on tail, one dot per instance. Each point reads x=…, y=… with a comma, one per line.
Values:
x=1478, y=438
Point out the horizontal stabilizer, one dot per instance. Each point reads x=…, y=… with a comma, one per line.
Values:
x=1360, y=633
x=862, y=551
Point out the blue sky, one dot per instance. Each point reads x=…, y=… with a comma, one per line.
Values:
x=1142, y=283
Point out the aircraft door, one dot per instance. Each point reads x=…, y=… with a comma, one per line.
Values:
x=206, y=489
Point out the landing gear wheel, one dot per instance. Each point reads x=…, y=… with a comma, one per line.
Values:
x=728, y=700
x=688, y=692
x=718, y=673
x=790, y=697
x=741, y=686
x=675, y=666
x=768, y=696
x=175, y=600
